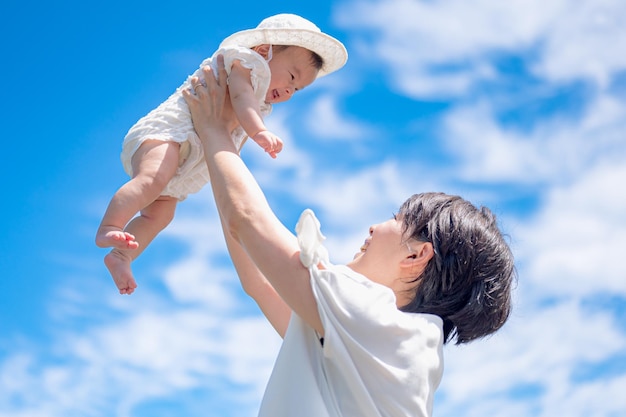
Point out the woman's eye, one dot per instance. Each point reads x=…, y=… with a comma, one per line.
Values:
x=395, y=216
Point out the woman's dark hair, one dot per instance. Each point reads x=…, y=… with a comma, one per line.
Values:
x=315, y=60
x=468, y=281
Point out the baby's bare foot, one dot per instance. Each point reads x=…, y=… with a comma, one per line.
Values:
x=119, y=268
x=107, y=238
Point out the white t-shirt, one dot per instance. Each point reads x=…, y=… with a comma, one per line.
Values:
x=375, y=360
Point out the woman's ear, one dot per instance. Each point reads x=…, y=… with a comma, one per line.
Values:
x=421, y=253
x=262, y=50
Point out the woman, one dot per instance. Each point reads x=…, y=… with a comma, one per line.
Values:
x=364, y=339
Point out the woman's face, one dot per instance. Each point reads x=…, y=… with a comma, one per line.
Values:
x=383, y=238
x=388, y=259
x=292, y=70
x=381, y=251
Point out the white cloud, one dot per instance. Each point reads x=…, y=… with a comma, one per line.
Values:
x=146, y=356
x=542, y=348
x=292, y=157
x=326, y=122
x=116, y=354
x=573, y=245
x=488, y=152
x=552, y=151
x=577, y=46
x=436, y=48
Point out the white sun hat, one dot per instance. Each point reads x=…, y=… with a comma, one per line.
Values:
x=290, y=29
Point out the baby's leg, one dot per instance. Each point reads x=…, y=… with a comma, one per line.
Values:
x=144, y=227
x=154, y=165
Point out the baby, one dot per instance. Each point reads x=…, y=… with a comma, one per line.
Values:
x=163, y=154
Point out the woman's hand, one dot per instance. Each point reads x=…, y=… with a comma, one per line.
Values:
x=210, y=107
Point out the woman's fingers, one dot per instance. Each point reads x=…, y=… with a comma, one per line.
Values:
x=222, y=76
x=216, y=88
x=198, y=85
x=188, y=95
x=211, y=83
x=209, y=104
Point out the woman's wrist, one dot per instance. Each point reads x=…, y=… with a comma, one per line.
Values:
x=211, y=131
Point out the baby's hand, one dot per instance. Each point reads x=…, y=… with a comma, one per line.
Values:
x=270, y=143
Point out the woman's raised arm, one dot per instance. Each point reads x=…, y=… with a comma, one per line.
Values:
x=244, y=211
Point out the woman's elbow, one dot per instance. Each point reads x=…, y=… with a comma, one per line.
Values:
x=237, y=218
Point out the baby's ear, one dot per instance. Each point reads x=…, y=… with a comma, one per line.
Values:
x=262, y=50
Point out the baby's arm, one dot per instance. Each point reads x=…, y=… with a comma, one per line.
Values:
x=248, y=111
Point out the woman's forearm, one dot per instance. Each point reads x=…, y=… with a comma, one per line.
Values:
x=247, y=217
x=258, y=287
x=243, y=208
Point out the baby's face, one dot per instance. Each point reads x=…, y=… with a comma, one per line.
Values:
x=292, y=70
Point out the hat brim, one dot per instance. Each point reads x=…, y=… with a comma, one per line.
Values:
x=330, y=49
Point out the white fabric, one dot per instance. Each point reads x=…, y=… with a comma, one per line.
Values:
x=171, y=121
x=376, y=361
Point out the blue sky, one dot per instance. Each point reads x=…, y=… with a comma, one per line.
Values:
x=518, y=105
